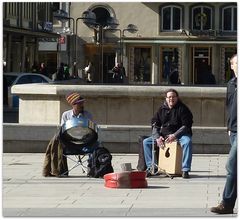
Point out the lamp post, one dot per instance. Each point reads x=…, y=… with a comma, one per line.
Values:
x=100, y=28
x=120, y=41
x=88, y=17
x=110, y=23
x=130, y=28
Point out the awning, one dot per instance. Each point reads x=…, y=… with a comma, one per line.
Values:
x=30, y=32
x=179, y=41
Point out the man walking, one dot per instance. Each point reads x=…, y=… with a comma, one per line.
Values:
x=230, y=190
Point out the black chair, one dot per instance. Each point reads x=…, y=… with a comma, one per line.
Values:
x=79, y=136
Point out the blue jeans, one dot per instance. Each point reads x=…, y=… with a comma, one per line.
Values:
x=230, y=189
x=186, y=144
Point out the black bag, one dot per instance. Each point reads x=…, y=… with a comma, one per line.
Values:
x=99, y=163
x=141, y=166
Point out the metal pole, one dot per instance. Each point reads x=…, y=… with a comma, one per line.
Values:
x=101, y=28
x=74, y=48
x=121, y=46
x=76, y=37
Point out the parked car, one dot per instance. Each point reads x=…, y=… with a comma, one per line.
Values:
x=15, y=78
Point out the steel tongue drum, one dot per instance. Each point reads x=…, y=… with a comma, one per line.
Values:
x=79, y=132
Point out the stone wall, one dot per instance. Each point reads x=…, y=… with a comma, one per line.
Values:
x=123, y=113
x=118, y=105
x=117, y=138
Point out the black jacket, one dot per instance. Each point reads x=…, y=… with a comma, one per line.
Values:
x=177, y=121
x=231, y=103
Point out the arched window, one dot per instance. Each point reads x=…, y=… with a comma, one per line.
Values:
x=171, y=18
x=201, y=18
x=102, y=15
x=229, y=18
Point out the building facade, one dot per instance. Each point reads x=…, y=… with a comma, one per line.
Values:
x=192, y=38
x=25, y=26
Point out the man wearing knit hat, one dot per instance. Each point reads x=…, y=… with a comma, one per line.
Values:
x=54, y=162
x=77, y=102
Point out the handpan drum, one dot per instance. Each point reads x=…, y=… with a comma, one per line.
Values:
x=79, y=132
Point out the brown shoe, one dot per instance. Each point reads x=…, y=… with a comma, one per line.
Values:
x=221, y=209
x=48, y=175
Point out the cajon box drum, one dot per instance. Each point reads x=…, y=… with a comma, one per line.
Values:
x=170, y=158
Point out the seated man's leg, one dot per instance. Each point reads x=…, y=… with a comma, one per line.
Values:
x=186, y=144
x=147, y=147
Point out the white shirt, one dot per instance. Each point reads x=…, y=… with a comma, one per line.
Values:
x=68, y=115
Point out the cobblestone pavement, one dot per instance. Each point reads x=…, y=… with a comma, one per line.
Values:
x=26, y=193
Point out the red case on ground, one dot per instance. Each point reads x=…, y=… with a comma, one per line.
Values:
x=127, y=179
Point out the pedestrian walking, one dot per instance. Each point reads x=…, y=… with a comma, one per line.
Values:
x=66, y=72
x=60, y=73
x=43, y=69
x=229, y=195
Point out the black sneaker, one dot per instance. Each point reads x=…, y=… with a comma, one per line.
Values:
x=185, y=175
x=221, y=209
x=149, y=173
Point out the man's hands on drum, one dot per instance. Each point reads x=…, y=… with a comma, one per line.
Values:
x=170, y=138
x=160, y=142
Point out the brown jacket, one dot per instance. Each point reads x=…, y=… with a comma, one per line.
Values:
x=54, y=163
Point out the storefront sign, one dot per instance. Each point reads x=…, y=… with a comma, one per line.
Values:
x=61, y=40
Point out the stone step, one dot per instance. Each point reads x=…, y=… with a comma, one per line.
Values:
x=26, y=138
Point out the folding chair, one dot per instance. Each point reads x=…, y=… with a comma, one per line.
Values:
x=79, y=136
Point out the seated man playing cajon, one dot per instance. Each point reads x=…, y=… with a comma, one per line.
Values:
x=172, y=122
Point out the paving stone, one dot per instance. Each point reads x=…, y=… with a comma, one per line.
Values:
x=26, y=193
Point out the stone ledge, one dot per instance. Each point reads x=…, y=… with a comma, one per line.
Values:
x=118, y=138
x=119, y=90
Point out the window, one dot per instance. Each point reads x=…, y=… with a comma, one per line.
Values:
x=170, y=63
x=102, y=16
x=24, y=80
x=229, y=18
x=140, y=64
x=37, y=79
x=171, y=18
x=201, y=18
x=31, y=79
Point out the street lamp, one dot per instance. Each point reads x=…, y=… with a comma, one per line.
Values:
x=62, y=16
x=88, y=18
x=99, y=27
x=130, y=28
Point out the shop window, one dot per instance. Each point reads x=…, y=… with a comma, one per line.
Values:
x=201, y=18
x=229, y=18
x=170, y=65
x=140, y=64
x=171, y=18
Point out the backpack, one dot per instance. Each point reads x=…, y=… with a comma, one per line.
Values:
x=99, y=163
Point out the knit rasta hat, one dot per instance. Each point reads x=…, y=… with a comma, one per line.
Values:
x=74, y=98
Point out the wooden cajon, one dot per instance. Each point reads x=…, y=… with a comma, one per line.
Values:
x=170, y=159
